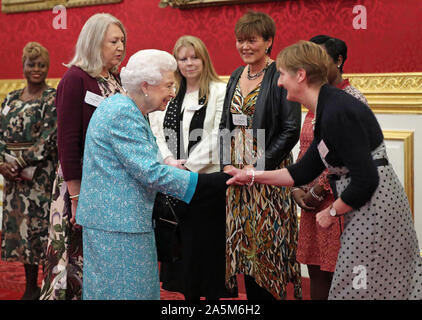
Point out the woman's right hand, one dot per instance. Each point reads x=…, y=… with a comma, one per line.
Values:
x=9, y=171
x=299, y=197
x=170, y=161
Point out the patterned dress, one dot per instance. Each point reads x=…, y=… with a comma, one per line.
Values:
x=28, y=130
x=316, y=245
x=261, y=226
x=63, y=268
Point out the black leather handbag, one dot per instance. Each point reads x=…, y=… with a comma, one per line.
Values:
x=167, y=227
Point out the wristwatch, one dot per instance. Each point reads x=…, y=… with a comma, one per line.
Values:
x=333, y=211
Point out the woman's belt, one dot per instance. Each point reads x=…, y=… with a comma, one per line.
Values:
x=19, y=146
x=332, y=178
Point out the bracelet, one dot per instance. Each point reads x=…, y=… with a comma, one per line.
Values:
x=76, y=196
x=319, y=198
x=294, y=189
x=253, y=178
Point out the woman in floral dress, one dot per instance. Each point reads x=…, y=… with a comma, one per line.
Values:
x=28, y=160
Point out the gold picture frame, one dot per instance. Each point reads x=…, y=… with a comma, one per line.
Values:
x=188, y=4
x=407, y=138
x=13, y=6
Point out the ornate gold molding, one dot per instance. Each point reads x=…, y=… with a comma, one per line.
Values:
x=407, y=137
x=12, y=6
x=390, y=92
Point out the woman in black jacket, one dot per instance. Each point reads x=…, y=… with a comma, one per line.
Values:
x=259, y=128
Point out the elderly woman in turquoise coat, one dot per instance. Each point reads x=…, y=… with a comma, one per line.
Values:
x=122, y=173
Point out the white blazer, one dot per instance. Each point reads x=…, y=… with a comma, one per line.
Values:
x=204, y=158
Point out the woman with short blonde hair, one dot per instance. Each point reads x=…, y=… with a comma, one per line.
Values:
x=307, y=56
x=379, y=237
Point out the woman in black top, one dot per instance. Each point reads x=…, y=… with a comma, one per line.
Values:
x=379, y=256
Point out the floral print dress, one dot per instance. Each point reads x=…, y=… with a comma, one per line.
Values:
x=63, y=268
x=28, y=130
x=261, y=221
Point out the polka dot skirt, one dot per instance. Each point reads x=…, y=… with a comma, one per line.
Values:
x=379, y=256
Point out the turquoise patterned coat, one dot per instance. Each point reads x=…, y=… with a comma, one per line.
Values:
x=122, y=172
x=121, y=176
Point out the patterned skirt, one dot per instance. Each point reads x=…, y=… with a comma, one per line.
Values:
x=64, y=259
x=120, y=266
x=261, y=232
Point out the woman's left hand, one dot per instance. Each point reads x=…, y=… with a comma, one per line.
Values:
x=324, y=219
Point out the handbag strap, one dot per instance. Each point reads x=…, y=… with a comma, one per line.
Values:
x=172, y=210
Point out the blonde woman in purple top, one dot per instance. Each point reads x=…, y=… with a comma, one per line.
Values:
x=92, y=76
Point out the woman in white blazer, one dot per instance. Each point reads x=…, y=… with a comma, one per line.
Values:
x=187, y=135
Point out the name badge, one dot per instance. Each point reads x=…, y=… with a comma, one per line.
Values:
x=322, y=148
x=195, y=107
x=6, y=110
x=93, y=99
x=240, y=119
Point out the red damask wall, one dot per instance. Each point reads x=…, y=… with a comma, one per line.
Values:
x=392, y=41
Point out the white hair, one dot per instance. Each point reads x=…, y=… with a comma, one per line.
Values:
x=146, y=65
x=88, y=52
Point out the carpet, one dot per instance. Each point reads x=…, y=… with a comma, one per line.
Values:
x=12, y=284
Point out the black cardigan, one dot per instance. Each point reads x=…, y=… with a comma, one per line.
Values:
x=350, y=131
x=280, y=118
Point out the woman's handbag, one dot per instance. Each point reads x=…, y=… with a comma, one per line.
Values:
x=167, y=228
